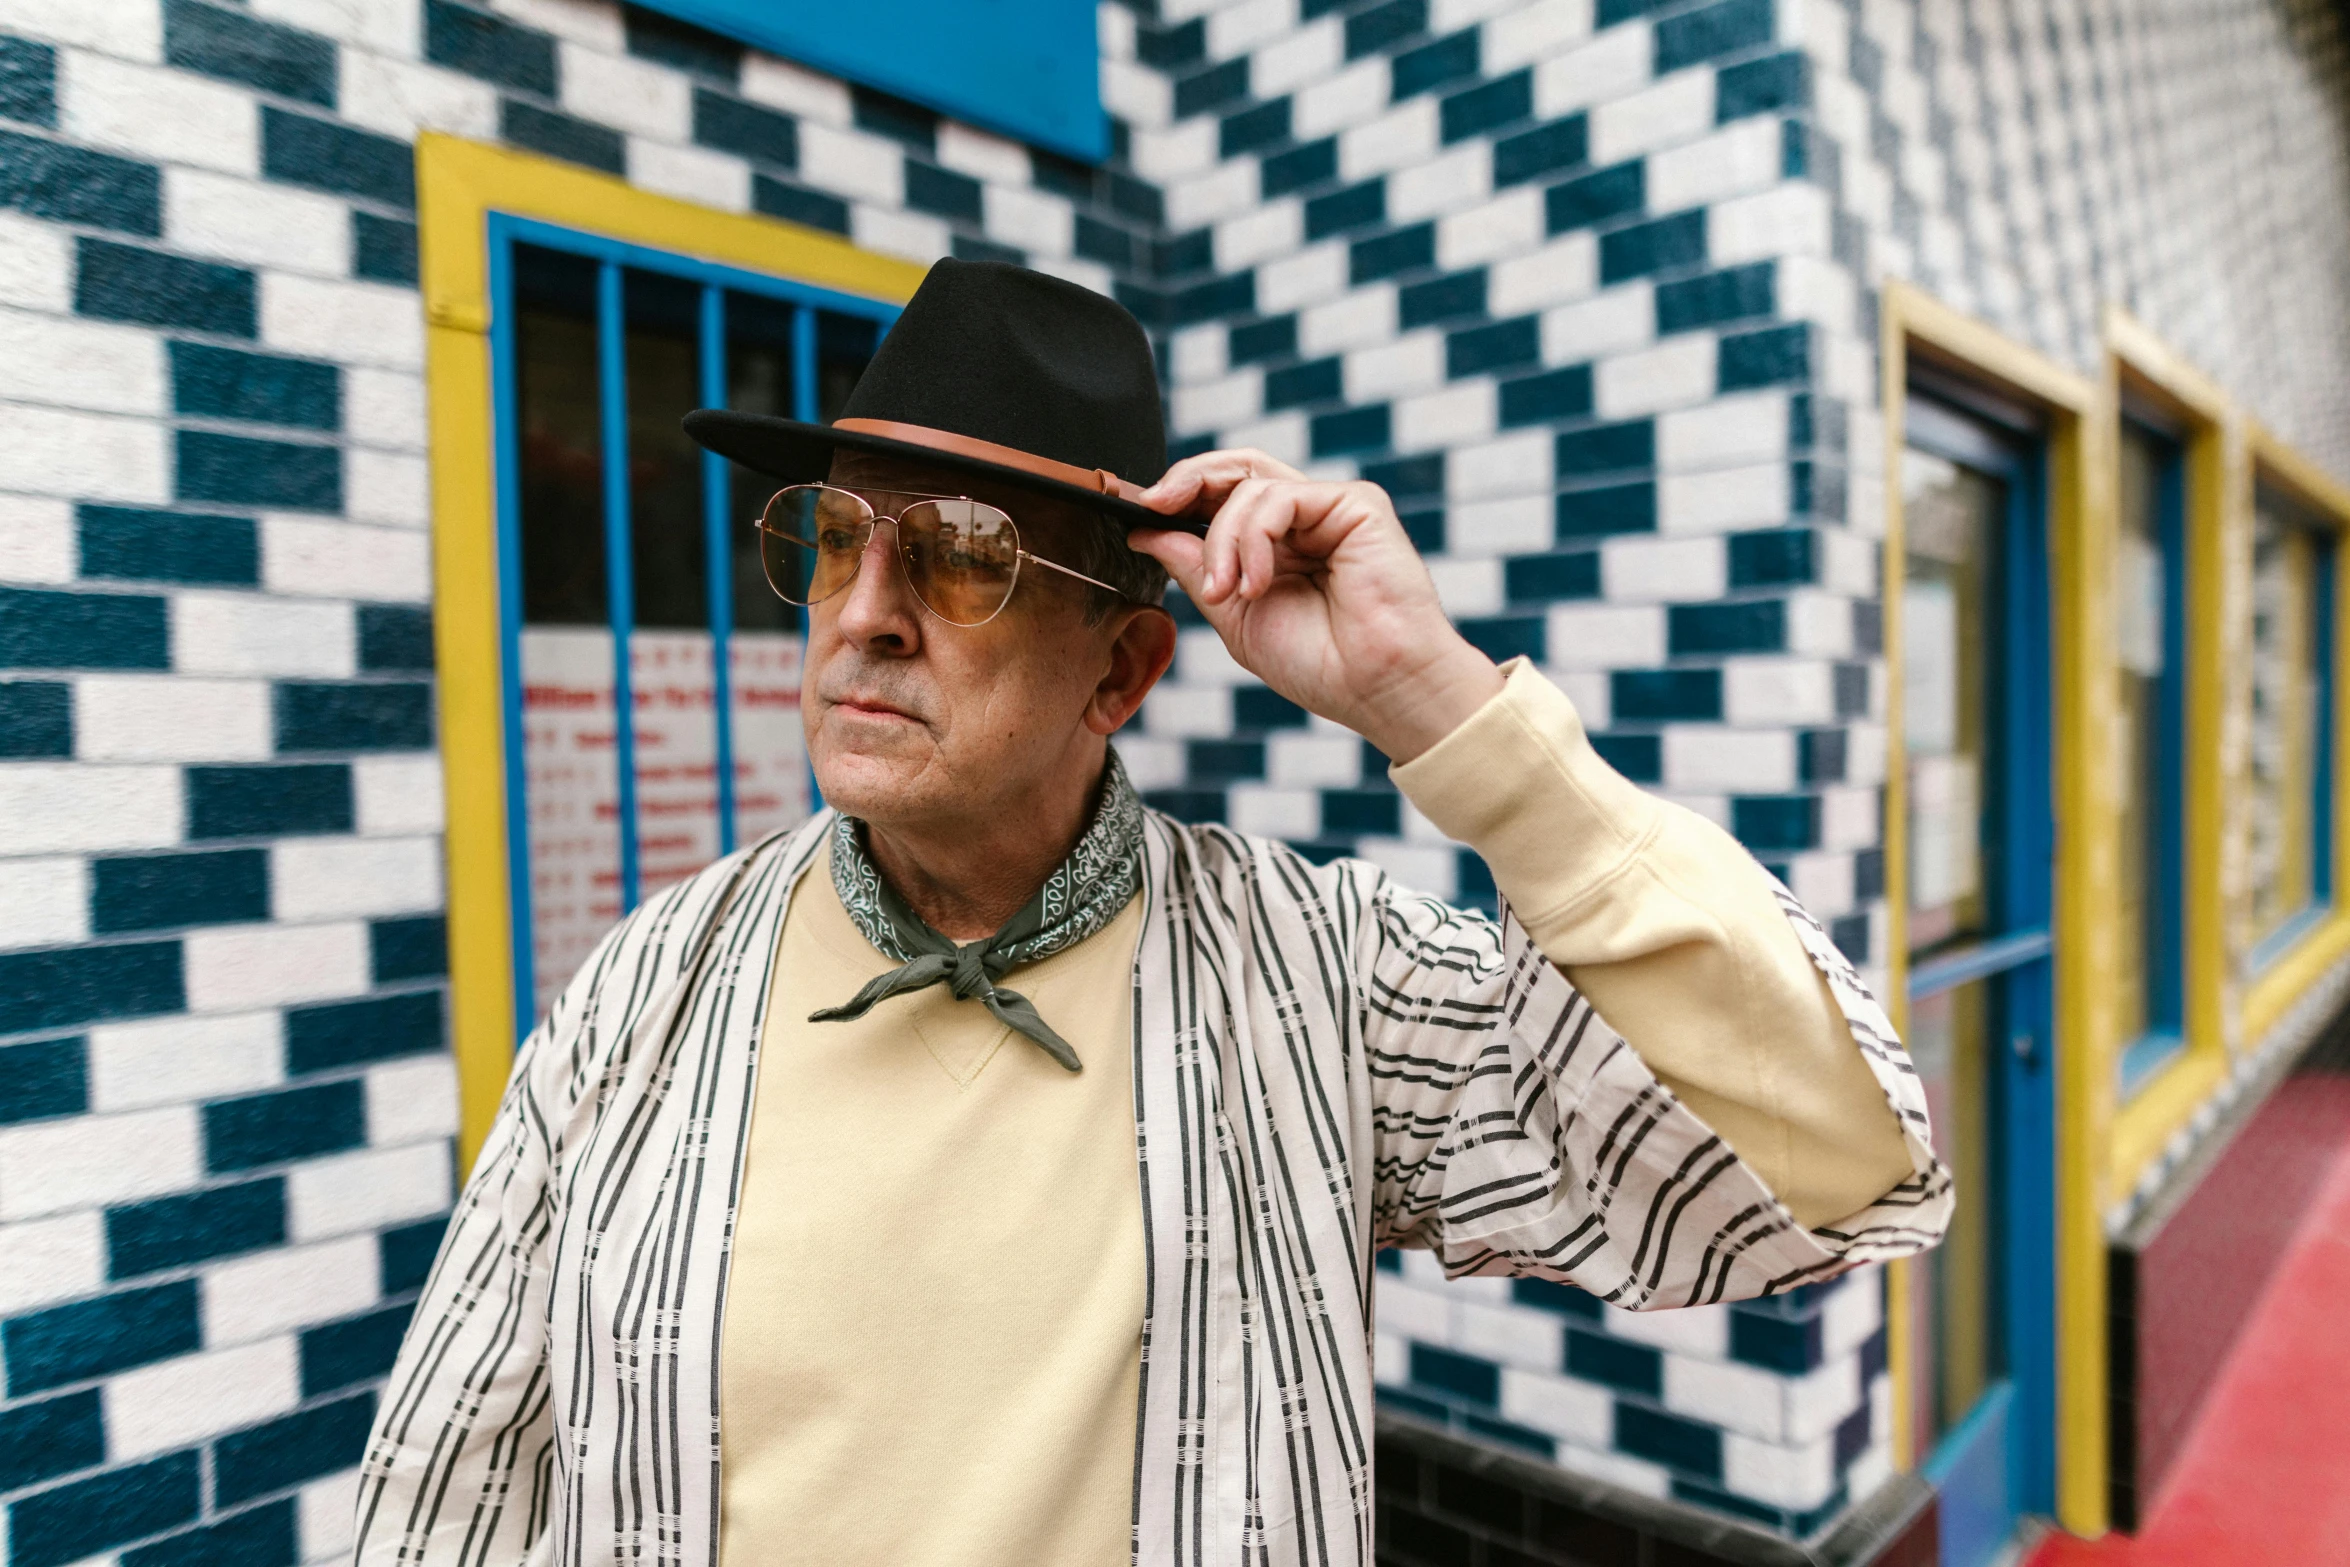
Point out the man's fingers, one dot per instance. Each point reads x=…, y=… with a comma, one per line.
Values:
x=1204, y=482
x=1183, y=554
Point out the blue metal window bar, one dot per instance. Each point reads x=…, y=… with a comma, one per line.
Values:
x=612, y=259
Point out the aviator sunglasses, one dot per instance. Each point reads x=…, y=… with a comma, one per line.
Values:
x=961, y=557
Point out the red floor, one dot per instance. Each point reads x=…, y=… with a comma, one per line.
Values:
x=2264, y=1478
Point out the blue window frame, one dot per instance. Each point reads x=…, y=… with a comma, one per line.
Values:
x=619, y=546
x=2151, y=614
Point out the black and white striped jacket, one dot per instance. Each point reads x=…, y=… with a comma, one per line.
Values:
x=1324, y=1064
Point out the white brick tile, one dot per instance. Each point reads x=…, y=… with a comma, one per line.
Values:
x=1788, y=220
x=1196, y=353
x=326, y=1517
x=170, y=718
x=1822, y=1397
x=37, y=535
x=89, y=1161
x=238, y=967
x=256, y=223
x=1851, y=565
x=387, y=487
x=291, y=1287
x=127, y=28
x=1864, y=753
x=981, y=155
x=1511, y=465
x=1819, y=623
x=1741, y=157
x=1848, y=819
x=1724, y=1393
x=71, y=807
x=311, y=555
x=1076, y=269
x=1411, y=363
x=1421, y=867
x=1741, y=761
x=1695, y=1330
x=1588, y=690
x=1361, y=319
x=397, y=794
x=1630, y=1474
x=1813, y=289
x=1421, y=1315
x=1218, y=193
x=1281, y=437
x=1314, y=761
x=1336, y=102
x=1676, y=373
x=44, y=903
x=243, y=634
x=1606, y=636
x=175, y=1403
x=1615, y=322
x=1176, y=152
x=715, y=179
x=1762, y=691
x=1446, y=183
x=1306, y=55
x=1467, y=412
x=1663, y=571
x=1610, y=68
x=1237, y=28
x=1566, y=268
x=1822, y=882
x=1520, y=35
x=1219, y=404
x=364, y=1191
x=180, y=1060
x=1674, y=109
x=1402, y=137
x=1202, y=659
x=1036, y=222
x=620, y=90
x=1137, y=94
x=1506, y=225
x=105, y=457
x=1275, y=228
x=1276, y=813
x=1314, y=274
x=1180, y=713
x=82, y=364
x=907, y=234
x=385, y=26
x=1522, y=525
x=52, y=1260
x=1512, y=1335
x=1795, y=1477
x=852, y=163
x=36, y=264
x=1150, y=763
x=404, y=97
x=342, y=878
x=1743, y=428
x=795, y=89
x=1468, y=587
x=1390, y=1360
x=360, y=323
x=1573, y=1411
x=412, y=1101
x=169, y=116
x=595, y=23
x=384, y=408
x=1423, y=1267
x=1726, y=499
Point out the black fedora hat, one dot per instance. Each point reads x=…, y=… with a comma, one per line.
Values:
x=996, y=371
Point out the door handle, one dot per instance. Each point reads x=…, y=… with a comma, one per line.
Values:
x=2026, y=1047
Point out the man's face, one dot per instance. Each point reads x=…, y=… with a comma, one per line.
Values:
x=913, y=721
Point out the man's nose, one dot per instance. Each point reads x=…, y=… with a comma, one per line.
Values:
x=878, y=608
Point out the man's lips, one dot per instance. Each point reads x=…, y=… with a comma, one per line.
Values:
x=871, y=707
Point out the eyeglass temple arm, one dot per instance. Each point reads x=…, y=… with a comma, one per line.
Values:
x=1066, y=572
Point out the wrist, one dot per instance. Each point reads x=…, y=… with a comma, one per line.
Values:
x=1442, y=693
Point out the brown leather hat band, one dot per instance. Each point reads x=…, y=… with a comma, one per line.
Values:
x=1099, y=479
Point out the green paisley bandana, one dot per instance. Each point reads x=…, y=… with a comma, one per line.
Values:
x=1079, y=898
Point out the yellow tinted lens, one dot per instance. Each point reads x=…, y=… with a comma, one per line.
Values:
x=961, y=557
x=811, y=539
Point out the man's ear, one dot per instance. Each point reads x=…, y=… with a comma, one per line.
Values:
x=1140, y=653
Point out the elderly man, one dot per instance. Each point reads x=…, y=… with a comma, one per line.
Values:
x=989, y=1171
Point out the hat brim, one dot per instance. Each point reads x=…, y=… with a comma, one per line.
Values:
x=796, y=452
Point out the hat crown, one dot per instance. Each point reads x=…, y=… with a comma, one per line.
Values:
x=1004, y=354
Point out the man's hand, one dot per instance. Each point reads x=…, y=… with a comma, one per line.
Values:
x=1317, y=591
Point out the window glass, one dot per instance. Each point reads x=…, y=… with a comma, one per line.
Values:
x=2149, y=640
x=2292, y=633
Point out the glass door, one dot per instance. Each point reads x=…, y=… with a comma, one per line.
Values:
x=1975, y=671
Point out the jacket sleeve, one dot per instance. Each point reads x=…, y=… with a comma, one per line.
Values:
x=1656, y=1077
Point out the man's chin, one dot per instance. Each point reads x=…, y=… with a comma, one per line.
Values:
x=869, y=780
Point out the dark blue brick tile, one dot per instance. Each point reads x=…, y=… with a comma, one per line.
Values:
x=1136, y=199
x=347, y=1033
x=1430, y=66
x=1298, y=168
x=1821, y=756
x=798, y=204
x=395, y=637
x=1775, y=1343
x=36, y=718
x=1369, y=31
x=412, y=948
x=1868, y=865
x=1507, y=636
x=68, y=1522
x=257, y=1537
x=1554, y=394
x=1669, y=1440
x=157, y=891
x=239, y=470
x=1873, y=1351
x=1606, y=448
x=1776, y=823
x=1487, y=107
x=1851, y=936
x=1254, y=342
x=1247, y=130
x=1541, y=579
x=1766, y=358
x=1322, y=851
x=125, y=283
x=1178, y=254
x=41, y=1080
x=1765, y=86
x=357, y=1349
x=353, y=716
x=1258, y=707
x=133, y=543
x=1221, y=761
x=490, y=47
x=1612, y=192
x=383, y=250
x=1640, y=758
x=43, y=629
x=1104, y=242
x=1657, y=246
x=1651, y=696
x=1362, y=811
x=1351, y=208
x=1782, y=556
x=1505, y=345
x=404, y=1255
x=1211, y=87
x=1546, y=149
x=95, y=1338
x=28, y=82
x=264, y=801
x=1350, y=430
x=1852, y=690
x=1509, y=1434
x=63, y=184
x=1180, y=447
x=1187, y=805
x=1426, y=531
x=747, y=130
x=302, y=149
x=876, y=111
x=1385, y=255
x=1852, y=1435
x=53, y=1437
x=293, y=1123
x=941, y=192
x=1405, y=477
x=1389, y=1260
x=963, y=247
x=1430, y=1409
x=238, y=47
x=61, y=989
x=1167, y=47
x=1611, y=12
x=1732, y=294
x=286, y=1452
x=171, y=1232
x=228, y=383
x=1711, y=32
x=1150, y=306
x=1565, y=1299
x=1225, y=296
x=651, y=36
x=1448, y=298
x=562, y=136
x=1316, y=381
x=1756, y=626
x=1462, y=1376
x=1626, y=1367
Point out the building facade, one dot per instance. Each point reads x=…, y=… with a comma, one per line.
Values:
x=342, y=507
